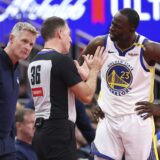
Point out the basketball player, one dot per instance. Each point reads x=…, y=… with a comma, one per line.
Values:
x=126, y=78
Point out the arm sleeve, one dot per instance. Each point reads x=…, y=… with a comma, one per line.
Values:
x=68, y=71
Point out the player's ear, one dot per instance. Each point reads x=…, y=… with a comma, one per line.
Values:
x=133, y=29
x=58, y=33
x=18, y=125
x=11, y=38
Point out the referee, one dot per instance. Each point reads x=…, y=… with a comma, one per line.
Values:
x=55, y=82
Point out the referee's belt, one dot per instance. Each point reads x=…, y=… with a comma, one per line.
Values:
x=39, y=122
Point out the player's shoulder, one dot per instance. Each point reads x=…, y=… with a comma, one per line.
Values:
x=94, y=43
x=63, y=59
x=149, y=46
x=98, y=40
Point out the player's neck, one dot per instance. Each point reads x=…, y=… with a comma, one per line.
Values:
x=123, y=45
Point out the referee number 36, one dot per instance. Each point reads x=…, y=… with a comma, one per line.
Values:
x=35, y=75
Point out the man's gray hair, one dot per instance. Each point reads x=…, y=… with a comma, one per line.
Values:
x=21, y=26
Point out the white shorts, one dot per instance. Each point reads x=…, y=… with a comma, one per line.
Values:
x=129, y=135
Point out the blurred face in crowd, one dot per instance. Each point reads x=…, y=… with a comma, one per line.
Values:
x=27, y=126
x=22, y=44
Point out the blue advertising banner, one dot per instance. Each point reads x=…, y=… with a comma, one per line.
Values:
x=90, y=16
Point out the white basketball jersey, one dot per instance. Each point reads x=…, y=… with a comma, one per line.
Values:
x=125, y=79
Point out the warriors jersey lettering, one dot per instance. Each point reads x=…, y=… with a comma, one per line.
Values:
x=126, y=78
x=50, y=76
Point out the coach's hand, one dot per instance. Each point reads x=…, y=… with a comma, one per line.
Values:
x=146, y=109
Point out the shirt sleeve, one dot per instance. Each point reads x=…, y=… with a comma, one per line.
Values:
x=68, y=71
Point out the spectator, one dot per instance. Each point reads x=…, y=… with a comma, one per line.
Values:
x=25, y=120
x=85, y=133
x=23, y=92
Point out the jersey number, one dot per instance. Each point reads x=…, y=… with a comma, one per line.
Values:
x=35, y=75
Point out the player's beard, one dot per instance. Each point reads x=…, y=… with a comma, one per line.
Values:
x=114, y=38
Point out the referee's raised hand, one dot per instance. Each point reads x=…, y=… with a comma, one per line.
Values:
x=97, y=60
